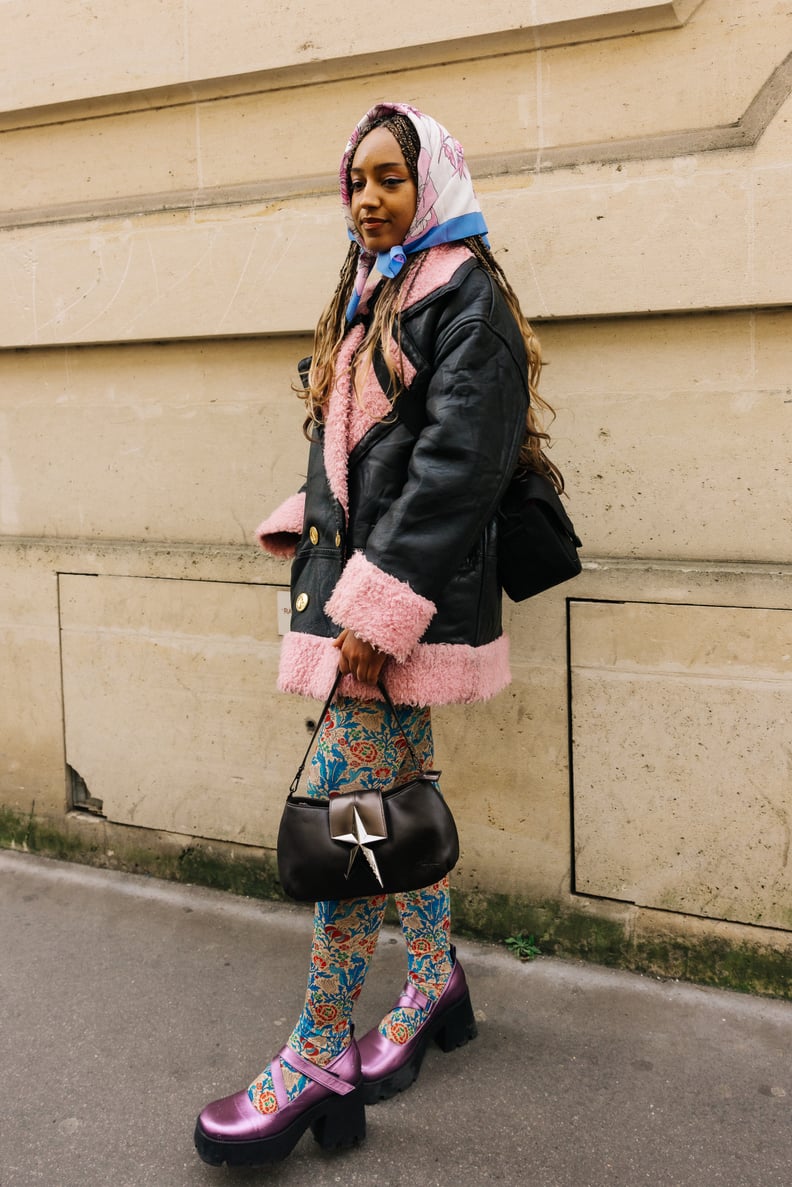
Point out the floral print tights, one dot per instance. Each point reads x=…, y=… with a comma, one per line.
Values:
x=361, y=744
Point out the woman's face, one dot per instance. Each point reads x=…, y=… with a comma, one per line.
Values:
x=383, y=194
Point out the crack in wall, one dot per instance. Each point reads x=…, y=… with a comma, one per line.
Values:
x=80, y=798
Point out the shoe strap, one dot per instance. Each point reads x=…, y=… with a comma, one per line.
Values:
x=319, y=1075
x=412, y=998
x=281, y=1095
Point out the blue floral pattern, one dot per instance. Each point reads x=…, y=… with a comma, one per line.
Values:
x=361, y=744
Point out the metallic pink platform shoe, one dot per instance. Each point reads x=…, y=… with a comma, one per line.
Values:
x=232, y=1130
x=389, y=1067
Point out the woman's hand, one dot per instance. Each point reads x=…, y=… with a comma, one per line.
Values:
x=358, y=658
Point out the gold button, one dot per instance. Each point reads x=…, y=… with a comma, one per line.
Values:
x=313, y=535
x=301, y=602
x=338, y=539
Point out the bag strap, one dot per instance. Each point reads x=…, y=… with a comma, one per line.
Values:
x=380, y=684
x=418, y=764
x=295, y=781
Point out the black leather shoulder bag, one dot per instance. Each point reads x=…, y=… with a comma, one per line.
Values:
x=537, y=542
x=363, y=841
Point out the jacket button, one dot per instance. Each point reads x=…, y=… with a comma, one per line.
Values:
x=301, y=602
x=313, y=536
x=338, y=539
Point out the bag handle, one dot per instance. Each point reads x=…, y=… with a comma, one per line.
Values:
x=418, y=764
x=381, y=686
x=295, y=781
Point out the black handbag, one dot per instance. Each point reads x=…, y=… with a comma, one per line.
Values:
x=364, y=842
x=537, y=542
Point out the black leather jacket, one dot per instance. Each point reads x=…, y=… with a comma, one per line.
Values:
x=424, y=486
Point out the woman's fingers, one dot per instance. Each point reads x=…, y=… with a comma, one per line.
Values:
x=358, y=658
x=339, y=641
x=370, y=672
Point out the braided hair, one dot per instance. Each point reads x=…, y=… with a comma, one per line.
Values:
x=405, y=134
x=384, y=327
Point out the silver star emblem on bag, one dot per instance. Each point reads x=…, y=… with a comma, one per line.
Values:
x=360, y=838
x=361, y=815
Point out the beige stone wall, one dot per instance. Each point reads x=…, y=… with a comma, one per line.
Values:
x=170, y=231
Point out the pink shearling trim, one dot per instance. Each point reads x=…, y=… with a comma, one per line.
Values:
x=437, y=268
x=367, y=408
x=379, y=607
x=279, y=533
x=336, y=447
x=349, y=417
x=434, y=674
x=404, y=367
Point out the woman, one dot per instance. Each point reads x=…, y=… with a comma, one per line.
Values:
x=418, y=410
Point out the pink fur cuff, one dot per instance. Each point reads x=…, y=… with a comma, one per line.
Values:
x=379, y=608
x=434, y=673
x=280, y=533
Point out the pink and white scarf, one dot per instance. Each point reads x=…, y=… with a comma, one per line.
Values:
x=447, y=208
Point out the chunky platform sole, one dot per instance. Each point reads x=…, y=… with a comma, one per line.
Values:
x=337, y=1123
x=451, y=1030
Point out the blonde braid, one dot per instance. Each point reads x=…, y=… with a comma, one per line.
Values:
x=331, y=330
x=384, y=328
x=328, y=336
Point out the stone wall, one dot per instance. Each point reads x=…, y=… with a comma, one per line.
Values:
x=170, y=231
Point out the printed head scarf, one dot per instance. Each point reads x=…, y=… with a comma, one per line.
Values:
x=447, y=208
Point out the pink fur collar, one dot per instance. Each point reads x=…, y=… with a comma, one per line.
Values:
x=437, y=268
x=350, y=416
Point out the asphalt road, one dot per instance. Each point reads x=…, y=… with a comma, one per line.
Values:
x=129, y=1003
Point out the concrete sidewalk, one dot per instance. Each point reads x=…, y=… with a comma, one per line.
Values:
x=129, y=1003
